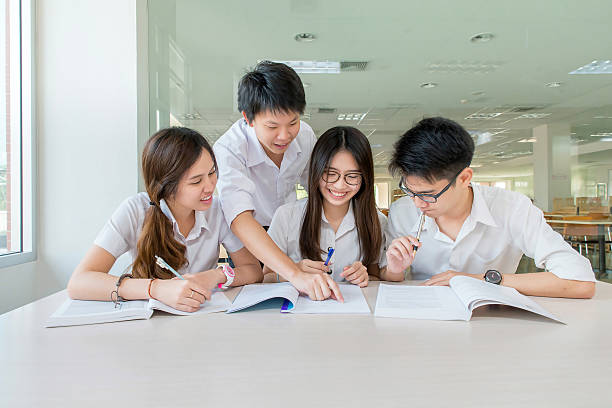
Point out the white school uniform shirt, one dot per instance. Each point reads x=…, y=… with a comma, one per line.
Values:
x=121, y=233
x=249, y=179
x=287, y=224
x=502, y=226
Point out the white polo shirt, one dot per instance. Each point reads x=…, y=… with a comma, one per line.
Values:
x=120, y=234
x=502, y=226
x=287, y=225
x=249, y=179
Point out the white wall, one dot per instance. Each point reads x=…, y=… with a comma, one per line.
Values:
x=87, y=135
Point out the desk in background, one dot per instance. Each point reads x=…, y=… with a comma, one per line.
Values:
x=502, y=357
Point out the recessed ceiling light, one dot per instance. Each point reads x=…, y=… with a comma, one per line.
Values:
x=464, y=101
x=305, y=37
x=554, y=84
x=428, y=85
x=314, y=67
x=482, y=37
x=595, y=67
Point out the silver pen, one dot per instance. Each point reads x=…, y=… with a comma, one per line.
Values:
x=418, y=237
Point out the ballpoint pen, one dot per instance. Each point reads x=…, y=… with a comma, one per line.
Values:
x=418, y=237
x=330, y=252
x=163, y=264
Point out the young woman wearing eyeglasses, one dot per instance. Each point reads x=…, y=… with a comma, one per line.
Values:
x=339, y=213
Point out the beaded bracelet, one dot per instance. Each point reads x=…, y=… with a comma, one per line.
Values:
x=115, y=298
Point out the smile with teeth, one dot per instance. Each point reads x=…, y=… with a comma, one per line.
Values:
x=206, y=198
x=337, y=194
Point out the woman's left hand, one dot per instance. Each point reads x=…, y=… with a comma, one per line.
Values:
x=356, y=274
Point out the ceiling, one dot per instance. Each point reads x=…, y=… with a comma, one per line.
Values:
x=203, y=48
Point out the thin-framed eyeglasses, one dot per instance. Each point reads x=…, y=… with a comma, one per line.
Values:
x=352, y=178
x=428, y=198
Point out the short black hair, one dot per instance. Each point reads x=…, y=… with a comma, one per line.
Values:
x=270, y=86
x=434, y=149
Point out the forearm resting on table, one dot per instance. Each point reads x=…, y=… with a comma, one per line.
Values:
x=259, y=243
x=92, y=285
x=548, y=284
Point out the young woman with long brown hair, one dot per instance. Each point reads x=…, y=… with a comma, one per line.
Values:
x=176, y=219
x=339, y=213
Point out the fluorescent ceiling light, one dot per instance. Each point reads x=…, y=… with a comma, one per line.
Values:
x=351, y=116
x=314, y=67
x=533, y=115
x=474, y=166
x=483, y=115
x=602, y=134
x=530, y=140
x=595, y=67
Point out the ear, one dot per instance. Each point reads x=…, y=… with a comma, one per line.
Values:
x=247, y=120
x=466, y=176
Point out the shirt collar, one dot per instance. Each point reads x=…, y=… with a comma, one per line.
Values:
x=256, y=153
x=200, y=221
x=348, y=222
x=480, y=210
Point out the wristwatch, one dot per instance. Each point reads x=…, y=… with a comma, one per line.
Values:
x=229, y=275
x=493, y=276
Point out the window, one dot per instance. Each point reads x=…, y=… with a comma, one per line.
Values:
x=16, y=221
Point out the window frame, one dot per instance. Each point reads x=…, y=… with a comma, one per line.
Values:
x=27, y=137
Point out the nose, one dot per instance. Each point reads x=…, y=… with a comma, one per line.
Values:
x=420, y=204
x=210, y=183
x=283, y=135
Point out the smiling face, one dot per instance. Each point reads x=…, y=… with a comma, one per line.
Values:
x=276, y=131
x=196, y=187
x=341, y=180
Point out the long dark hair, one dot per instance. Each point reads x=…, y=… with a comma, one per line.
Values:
x=167, y=155
x=369, y=230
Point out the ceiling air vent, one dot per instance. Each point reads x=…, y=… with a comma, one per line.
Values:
x=327, y=110
x=353, y=66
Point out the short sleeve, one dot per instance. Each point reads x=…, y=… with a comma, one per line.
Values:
x=278, y=228
x=120, y=233
x=236, y=189
x=382, y=258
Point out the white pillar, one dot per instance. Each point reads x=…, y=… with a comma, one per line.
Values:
x=551, y=164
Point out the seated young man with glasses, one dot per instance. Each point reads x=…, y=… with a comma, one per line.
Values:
x=471, y=230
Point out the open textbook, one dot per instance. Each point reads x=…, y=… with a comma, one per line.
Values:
x=78, y=312
x=250, y=295
x=453, y=302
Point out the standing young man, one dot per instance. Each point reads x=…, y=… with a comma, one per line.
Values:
x=261, y=158
x=471, y=230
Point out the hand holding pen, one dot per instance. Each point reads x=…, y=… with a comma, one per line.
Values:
x=183, y=294
x=402, y=250
x=310, y=266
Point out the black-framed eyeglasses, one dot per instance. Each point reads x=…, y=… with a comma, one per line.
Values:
x=428, y=198
x=352, y=178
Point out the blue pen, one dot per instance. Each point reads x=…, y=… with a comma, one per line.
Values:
x=163, y=264
x=330, y=252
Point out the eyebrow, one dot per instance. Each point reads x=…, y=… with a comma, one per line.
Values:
x=348, y=171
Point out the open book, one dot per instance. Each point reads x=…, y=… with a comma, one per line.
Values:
x=78, y=312
x=453, y=302
x=250, y=295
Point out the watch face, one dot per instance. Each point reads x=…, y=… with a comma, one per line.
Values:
x=493, y=276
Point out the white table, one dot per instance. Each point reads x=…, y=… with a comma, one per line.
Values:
x=502, y=357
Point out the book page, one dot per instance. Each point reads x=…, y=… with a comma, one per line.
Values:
x=354, y=303
x=256, y=293
x=475, y=293
x=218, y=303
x=419, y=302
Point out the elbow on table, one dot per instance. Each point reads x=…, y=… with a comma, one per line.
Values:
x=582, y=290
